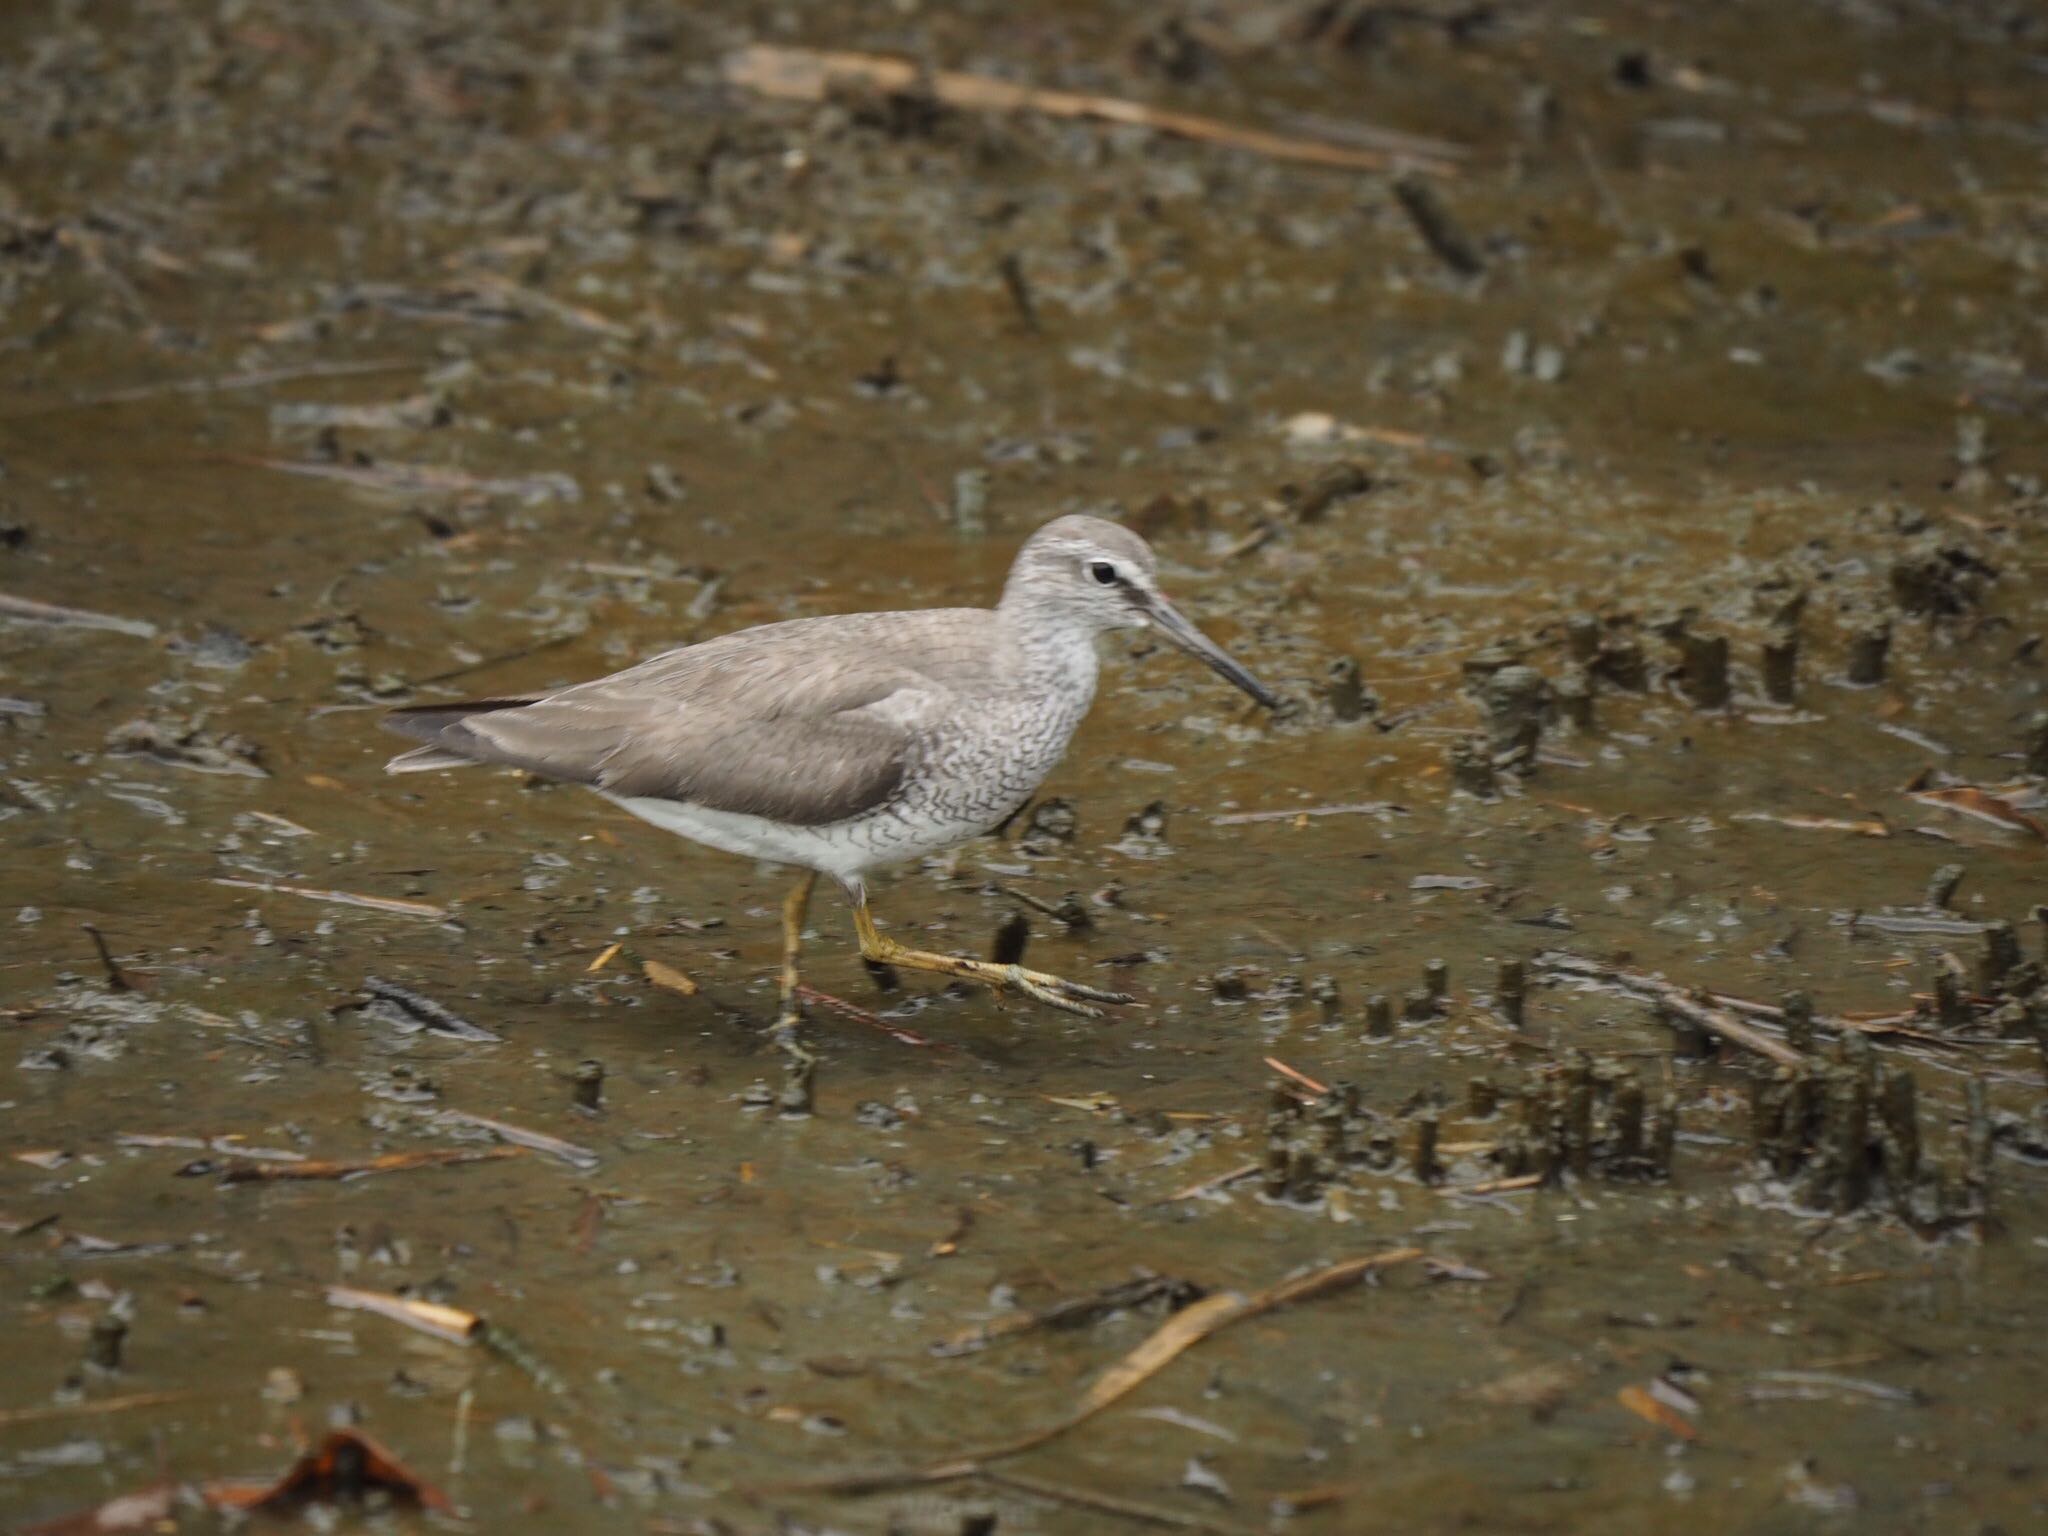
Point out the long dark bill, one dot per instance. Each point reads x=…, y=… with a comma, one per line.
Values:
x=1170, y=622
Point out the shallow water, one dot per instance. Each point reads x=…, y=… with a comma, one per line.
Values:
x=698, y=361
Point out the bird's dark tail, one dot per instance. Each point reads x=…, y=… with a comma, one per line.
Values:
x=441, y=727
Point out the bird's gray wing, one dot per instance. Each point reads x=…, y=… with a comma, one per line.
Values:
x=808, y=745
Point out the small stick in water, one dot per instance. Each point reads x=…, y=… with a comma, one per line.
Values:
x=1379, y=1017
x=1898, y=1111
x=1868, y=648
x=1333, y=1125
x=1703, y=669
x=1344, y=691
x=1515, y=698
x=1622, y=663
x=1018, y=286
x=1689, y=1039
x=103, y=1345
x=1802, y=1110
x=1768, y=1100
x=1848, y=1139
x=1013, y=935
x=589, y=1085
x=1574, y=698
x=1539, y=1135
x=116, y=981
x=1575, y=1124
x=1977, y=1147
x=1797, y=1014
x=1438, y=230
x=1472, y=769
x=1329, y=1001
x=1279, y=1159
x=1781, y=667
x=1950, y=1006
x=1482, y=1098
x=1582, y=638
x=2001, y=957
x=1422, y=1150
x=1510, y=991
x=1664, y=1135
x=1941, y=890
x=1628, y=1120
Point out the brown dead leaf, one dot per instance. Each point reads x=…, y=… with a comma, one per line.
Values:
x=1639, y=1402
x=339, y=1468
x=341, y=1465
x=669, y=978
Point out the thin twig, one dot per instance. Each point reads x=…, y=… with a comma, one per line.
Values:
x=1495, y=1186
x=520, y=654
x=1222, y=1180
x=1105, y=1503
x=43, y=1411
x=115, y=978
x=260, y=379
x=1607, y=198
x=28, y=610
x=1179, y=1333
x=340, y=898
x=1675, y=999
x=810, y=74
x=1361, y=808
x=390, y=1162
x=520, y=1136
x=860, y=1015
x=1296, y=1075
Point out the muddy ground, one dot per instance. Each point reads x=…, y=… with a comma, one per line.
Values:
x=371, y=353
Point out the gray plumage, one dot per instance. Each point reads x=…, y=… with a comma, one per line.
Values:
x=846, y=741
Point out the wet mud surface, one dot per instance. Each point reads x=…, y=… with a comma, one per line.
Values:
x=373, y=354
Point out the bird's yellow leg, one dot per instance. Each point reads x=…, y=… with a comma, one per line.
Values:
x=799, y=1067
x=795, y=907
x=1053, y=991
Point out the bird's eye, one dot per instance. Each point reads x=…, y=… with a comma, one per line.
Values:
x=1103, y=572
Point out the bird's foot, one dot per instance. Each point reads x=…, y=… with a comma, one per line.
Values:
x=1057, y=991
x=1053, y=991
x=1000, y=976
x=799, y=1062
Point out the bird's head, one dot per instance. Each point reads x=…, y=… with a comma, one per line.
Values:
x=1097, y=576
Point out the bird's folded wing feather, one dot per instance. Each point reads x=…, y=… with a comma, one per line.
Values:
x=808, y=750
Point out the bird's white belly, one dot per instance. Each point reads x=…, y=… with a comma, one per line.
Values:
x=841, y=849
